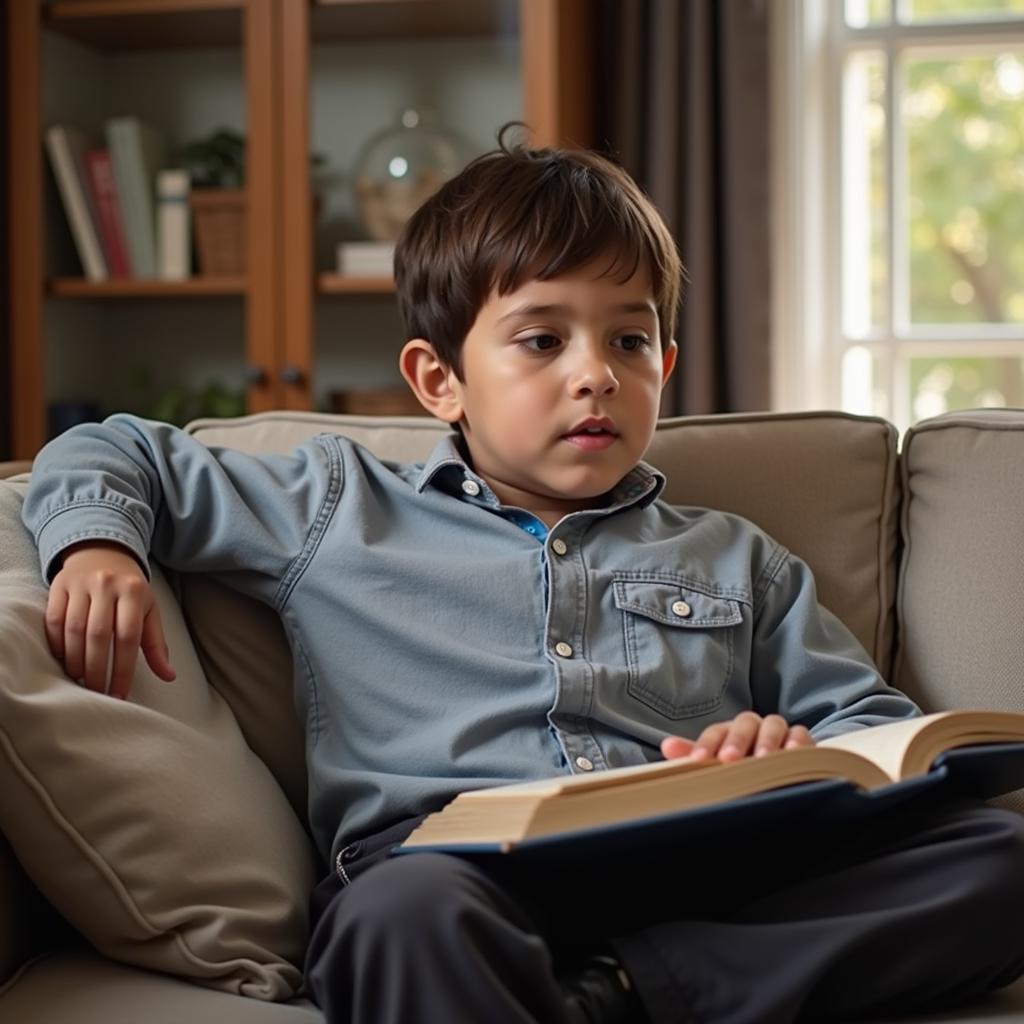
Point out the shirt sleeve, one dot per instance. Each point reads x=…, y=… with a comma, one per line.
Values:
x=809, y=668
x=155, y=489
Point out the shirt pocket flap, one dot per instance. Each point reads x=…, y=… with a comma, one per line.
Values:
x=675, y=605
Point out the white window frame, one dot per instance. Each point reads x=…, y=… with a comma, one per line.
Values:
x=809, y=47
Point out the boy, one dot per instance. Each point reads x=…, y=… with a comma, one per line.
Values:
x=521, y=605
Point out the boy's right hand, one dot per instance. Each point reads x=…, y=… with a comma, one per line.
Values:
x=101, y=593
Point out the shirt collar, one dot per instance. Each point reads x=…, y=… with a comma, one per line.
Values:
x=447, y=469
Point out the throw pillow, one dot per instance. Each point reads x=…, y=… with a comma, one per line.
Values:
x=148, y=823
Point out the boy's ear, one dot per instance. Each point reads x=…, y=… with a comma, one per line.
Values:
x=668, y=361
x=433, y=383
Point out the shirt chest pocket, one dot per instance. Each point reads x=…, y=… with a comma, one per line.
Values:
x=680, y=645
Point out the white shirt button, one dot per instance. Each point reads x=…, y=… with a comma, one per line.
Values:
x=470, y=487
x=682, y=609
x=559, y=546
x=563, y=649
x=585, y=763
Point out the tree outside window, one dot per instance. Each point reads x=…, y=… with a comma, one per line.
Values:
x=932, y=224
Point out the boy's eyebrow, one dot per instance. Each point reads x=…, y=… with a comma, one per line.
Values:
x=541, y=309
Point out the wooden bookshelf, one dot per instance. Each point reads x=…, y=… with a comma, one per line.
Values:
x=119, y=10
x=131, y=288
x=346, y=284
x=358, y=20
x=117, y=25
x=275, y=39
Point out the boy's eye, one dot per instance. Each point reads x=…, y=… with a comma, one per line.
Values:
x=541, y=342
x=632, y=342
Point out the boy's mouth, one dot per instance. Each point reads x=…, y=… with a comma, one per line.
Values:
x=593, y=434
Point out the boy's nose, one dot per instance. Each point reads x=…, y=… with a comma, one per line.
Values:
x=593, y=376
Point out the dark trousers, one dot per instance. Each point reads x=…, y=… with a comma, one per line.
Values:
x=915, y=909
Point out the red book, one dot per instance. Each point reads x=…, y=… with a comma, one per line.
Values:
x=104, y=196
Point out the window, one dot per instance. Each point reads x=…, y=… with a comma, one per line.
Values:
x=899, y=207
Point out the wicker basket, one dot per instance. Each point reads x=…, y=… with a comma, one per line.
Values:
x=218, y=216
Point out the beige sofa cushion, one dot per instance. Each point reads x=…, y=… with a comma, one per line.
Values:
x=80, y=988
x=962, y=638
x=77, y=987
x=148, y=823
x=399, y=438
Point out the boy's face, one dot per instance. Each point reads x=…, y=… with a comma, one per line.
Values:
x=561, y=387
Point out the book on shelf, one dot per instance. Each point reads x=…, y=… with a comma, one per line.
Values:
x=136, y=150
x=66, y=149
x=104, y=193
x=366, y=259
x=980, y=753
x=174, y=225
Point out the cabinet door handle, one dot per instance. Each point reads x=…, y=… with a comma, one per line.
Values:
x=255, y=374
x=291, y=375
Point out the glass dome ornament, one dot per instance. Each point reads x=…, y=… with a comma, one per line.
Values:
x=399, y=168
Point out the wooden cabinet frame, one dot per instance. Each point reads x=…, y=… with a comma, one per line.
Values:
x=281, y=286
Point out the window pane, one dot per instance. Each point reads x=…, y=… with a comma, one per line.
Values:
x=964, y=120
x=861, y=13
x=864, y=195
x=863, y=384
x=958, y=10
x=939, y=385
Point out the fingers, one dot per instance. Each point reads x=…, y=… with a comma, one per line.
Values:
x=76, y=618
x=88, y=615
x=799, y=736
x=56, y=614
x=675, y=747
x=88, y=628
x=728, y=741
x=127, y=637
x=98, y=633
x=741, y=736
x=154, y=646
x=771, y=736
x=748, y=733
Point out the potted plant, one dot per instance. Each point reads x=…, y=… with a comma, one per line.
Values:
x=180, y=403
x=216, y=166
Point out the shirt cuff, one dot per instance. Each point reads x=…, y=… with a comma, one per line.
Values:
x=80, y=523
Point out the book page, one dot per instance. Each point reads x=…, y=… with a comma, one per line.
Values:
x=511, y=814
x=597, y=780
x=886, y=745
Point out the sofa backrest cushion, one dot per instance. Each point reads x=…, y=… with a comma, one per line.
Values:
x=961, y=587
x=823, y=484
x=148, y=823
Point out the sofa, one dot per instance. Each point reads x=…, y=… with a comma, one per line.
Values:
x=154, y=854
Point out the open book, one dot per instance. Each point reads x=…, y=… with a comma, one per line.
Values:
x=502, y=817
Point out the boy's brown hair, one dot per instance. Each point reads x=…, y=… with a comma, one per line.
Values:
x=517, y=214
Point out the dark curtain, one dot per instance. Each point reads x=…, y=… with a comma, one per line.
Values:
x=682, y=103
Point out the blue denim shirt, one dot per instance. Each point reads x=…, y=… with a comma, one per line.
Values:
x=438, y=646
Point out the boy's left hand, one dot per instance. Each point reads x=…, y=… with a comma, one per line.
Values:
x=748, y=733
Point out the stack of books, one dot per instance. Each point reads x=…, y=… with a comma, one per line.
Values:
x=128, y=216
